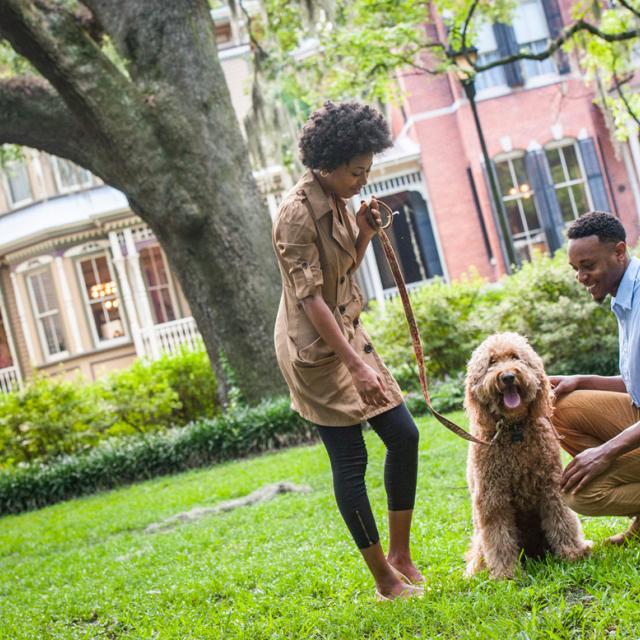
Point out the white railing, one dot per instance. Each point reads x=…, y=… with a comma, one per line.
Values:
x=168, y=337
x=392, y=292
x=10, y=379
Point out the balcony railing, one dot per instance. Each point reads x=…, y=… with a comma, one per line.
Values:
x=10, y=379
x=169, y=337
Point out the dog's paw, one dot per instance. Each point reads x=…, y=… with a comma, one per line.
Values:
x=576, y=552
x=502, y=573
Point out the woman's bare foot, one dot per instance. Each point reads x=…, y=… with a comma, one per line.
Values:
x=399, y=590
x=407, y=568
x=632, y=533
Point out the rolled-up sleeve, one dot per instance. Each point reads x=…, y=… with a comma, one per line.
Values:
x=295, y=240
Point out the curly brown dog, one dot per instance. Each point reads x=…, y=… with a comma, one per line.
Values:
x=514, y=482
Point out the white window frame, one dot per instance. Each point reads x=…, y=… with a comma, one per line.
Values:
x=55, y=163
x=559, y=144
x=38, y=318
x=524, y=238
x=14, y=204
x=97, y=342
x=169, y=285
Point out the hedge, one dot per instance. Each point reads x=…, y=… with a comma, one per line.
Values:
x=120, y=461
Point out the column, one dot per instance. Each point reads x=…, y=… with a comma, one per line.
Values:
x=127, y=297
x=140, y=290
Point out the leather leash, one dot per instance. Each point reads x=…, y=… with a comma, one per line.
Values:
x=413, y=326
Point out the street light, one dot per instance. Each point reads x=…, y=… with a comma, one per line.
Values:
x=465, y=60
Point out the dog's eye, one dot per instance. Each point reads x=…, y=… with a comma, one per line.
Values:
x=492, y=361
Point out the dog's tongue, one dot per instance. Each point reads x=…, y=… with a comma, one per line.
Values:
x=511, y=398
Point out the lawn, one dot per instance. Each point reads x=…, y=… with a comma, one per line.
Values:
x=286, y=568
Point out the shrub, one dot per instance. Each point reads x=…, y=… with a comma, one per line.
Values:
x=118, y=461
x=52, y=417
x=541, y=300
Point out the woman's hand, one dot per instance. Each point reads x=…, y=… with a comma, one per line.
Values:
x=364, y=221
x=369, y=385
x=564, y=384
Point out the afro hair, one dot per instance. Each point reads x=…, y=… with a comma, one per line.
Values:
x=336, y=133
x=597, y=223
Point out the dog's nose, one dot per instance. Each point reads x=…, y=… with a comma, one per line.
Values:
x=508, y=378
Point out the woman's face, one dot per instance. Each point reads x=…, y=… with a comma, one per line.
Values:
x=347, y=180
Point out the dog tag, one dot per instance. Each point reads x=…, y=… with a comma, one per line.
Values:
x=517, y=436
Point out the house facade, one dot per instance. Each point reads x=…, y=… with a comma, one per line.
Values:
x=85, y=286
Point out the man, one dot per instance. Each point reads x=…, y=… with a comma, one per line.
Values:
x=598, y=417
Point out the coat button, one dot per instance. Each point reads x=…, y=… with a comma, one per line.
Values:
x=342, y=308
x=356, y=322
x=342, y=279
x=368, y=348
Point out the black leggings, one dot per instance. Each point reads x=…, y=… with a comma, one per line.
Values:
x=348, y=456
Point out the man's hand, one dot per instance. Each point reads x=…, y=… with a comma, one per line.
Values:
x=363, y=220
x=586, y=466
x=564, y=384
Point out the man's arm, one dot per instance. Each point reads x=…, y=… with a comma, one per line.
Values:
x=567, y=384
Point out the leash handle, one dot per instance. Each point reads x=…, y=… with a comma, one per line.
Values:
x=413, y=329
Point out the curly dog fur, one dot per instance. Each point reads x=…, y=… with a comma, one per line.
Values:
x=515, y=482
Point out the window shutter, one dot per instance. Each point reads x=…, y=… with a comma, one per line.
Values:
x=545, y=198
x=594, y=177
x=508, y=46
x=554, y=22
x=426, y=238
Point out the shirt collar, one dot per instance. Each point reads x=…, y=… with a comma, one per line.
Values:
x=624, y=295
x=318, y=199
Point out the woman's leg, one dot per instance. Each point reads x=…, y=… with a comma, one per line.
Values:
x=400, y=435
x=348, y=456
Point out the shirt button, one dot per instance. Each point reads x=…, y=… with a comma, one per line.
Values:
x=341, y=308
x=368, y=348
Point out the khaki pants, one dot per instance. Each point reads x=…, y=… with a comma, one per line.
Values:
x=586, y=419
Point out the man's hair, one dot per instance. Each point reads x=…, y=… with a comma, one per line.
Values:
x=597, y=223
x=336, y=133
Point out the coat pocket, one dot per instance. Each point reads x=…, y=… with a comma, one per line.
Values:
x=315, y=354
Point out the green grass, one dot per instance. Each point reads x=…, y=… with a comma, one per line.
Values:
x=287, y=568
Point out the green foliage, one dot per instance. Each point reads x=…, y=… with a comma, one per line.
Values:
x=542, y=301
x=52, y=417
x=118, y=461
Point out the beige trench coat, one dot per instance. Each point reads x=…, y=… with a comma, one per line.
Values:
x=316, y=250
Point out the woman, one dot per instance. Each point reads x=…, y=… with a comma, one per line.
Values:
x=334, y=374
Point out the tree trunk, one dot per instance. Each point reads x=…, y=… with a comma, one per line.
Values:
x=164, y=132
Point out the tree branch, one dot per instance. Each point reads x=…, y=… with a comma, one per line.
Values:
x=34, y=116
x=630, y=7
x=567, y=34
x=52, y=39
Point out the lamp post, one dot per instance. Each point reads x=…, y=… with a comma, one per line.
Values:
x=465, y=60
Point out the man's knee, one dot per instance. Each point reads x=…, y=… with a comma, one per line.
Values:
x=588, y=502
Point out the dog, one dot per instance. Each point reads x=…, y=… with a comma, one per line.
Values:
x=515, y=481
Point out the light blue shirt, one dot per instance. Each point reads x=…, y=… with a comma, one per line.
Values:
x=626, y=306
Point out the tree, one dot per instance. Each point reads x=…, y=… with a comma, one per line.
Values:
x=362, y=44
x=133, y=91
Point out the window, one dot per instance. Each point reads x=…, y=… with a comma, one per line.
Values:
x=520, y=208
x=488, y=52
x=156, y=279
x=569, y=181
x=532, y=35
x=18, y=186
x=101, y=298
x=46, y=313
x=5, y=351
x=70, y=176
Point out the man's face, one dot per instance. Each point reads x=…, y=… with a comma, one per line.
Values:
x=347, y=180
x=599, y=266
